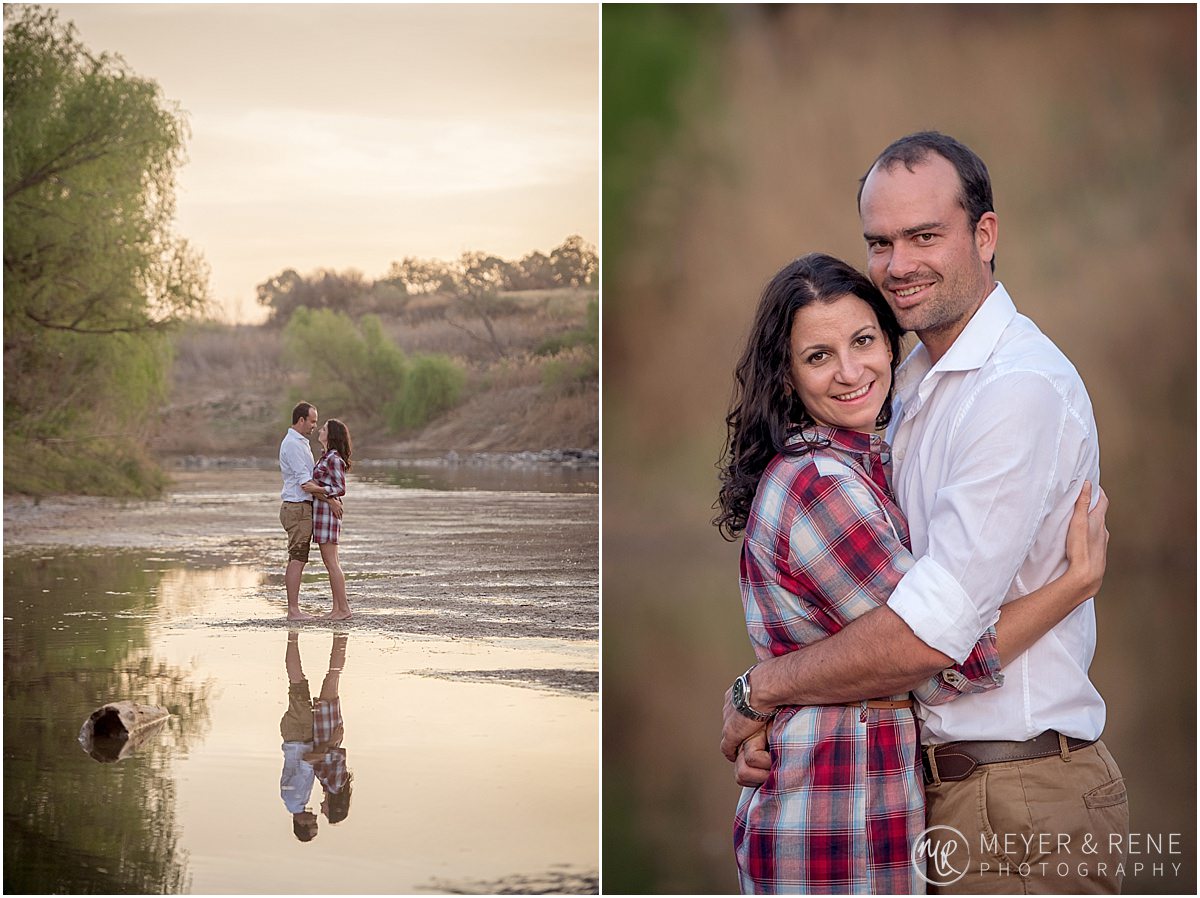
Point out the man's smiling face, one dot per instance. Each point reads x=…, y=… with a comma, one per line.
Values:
x=932, y=267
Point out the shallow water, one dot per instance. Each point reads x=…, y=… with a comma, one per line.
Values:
x=468, y=692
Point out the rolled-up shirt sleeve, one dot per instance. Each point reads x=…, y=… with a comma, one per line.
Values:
x=978, y=673
x=1006, y=451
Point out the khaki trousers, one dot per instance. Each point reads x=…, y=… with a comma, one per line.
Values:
x=1047, y=826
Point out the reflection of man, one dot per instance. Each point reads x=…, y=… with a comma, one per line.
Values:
x=296, y=728
x=312, y=734
x=296, y=513
x=992, y=436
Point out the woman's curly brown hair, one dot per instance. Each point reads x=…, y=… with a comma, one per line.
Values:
x=337, y=436
x=763, y=413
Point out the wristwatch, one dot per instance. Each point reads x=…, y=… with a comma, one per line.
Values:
x=741, y=698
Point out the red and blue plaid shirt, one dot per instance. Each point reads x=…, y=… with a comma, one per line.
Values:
x=329, y=473
x=843, y=803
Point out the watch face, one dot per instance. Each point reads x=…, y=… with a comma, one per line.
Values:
x=739, y=692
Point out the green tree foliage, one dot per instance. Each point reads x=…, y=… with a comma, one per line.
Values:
x=347, y=291
x=92, y=269
x=355, y=371
x=534, y=272
x=664, y=65
x=422, y=275
x=573, y=263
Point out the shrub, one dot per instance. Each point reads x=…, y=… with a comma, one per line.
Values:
x=576, y=361
x=570, y=372
x=588, y=335
x=435, y=385
x=354, y=369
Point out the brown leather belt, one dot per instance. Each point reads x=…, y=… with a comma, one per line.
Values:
x=883, y=704
x=955, y=761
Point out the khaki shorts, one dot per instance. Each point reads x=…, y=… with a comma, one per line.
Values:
x=297, y=723
x=296, y=518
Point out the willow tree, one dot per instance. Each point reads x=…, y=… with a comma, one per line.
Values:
x=93, y=272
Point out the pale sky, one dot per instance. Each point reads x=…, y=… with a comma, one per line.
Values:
x=350, y=136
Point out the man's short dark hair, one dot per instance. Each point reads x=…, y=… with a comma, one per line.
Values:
x=300, y=412
x=975, y=184
x=305, y=830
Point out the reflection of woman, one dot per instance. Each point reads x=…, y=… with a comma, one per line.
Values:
x=328, y=758
x=808, y=482
x=330, y=475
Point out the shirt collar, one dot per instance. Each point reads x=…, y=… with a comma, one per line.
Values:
x=293, y=433
x=839, y=438
x=972, y=348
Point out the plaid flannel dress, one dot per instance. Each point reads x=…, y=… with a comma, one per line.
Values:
x=844, y=801
x=329, y=473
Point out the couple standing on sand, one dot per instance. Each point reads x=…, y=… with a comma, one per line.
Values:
x=312, y=505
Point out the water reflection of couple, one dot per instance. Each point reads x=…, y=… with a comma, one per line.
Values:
x=312, y=505
x=312, y=732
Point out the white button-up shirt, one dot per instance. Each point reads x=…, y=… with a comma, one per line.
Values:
x=296, y=465
x=990, y=450
x=296, y=781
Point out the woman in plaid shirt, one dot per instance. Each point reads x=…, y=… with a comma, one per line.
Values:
x=807, y=480
x=330, y=476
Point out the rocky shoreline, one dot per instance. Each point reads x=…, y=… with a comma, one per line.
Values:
x=565, y=458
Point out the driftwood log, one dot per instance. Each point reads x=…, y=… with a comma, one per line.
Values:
x=116, y=730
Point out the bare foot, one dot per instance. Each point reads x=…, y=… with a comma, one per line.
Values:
x=338, y=615
x=300, y=615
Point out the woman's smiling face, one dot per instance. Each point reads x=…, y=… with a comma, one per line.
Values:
x=841, y=366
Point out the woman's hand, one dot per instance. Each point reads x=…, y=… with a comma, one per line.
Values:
x=1087, y=543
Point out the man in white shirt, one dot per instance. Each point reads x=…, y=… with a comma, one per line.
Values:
x=992, y=437
x=295, y=514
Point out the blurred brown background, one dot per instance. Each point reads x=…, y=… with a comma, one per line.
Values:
x=733, y=141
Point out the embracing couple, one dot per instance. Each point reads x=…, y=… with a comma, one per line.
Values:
x=921, y=607
x=312, y=504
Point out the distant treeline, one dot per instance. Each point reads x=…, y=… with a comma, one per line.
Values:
x=475, y=277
